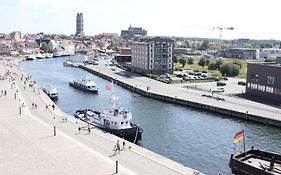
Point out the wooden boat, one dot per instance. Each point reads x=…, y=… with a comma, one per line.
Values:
x=255, y=162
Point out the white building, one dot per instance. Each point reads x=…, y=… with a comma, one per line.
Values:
x=154, y=56
x=270, y=53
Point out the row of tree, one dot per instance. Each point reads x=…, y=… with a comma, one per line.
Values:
x=226, y=69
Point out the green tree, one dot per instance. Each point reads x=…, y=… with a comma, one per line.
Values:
x=204, y=45
x=238, y=63
x=45, y=47
x=202, y=62
x=207, y=62
x=176, y=59
x=182, y=61
x=190, y=61
x=248, y=45
x=229, y=69
x=212, y=66
x=218, y=63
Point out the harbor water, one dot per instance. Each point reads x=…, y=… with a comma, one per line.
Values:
x=197, y=139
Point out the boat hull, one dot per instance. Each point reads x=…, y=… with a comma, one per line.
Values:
x=95, y=91
x=132, y=134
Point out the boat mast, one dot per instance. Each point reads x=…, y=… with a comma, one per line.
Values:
x=113, y=97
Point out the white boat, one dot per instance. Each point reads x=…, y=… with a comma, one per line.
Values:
x=40, y=56
x=85, y=85
x=116, y=121
x=31, y=57
x=49, y=55
x=51, y=91
x=67, y=63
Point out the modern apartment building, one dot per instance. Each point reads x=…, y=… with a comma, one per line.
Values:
x=264, y=80
x=153, y=55
x=79, y=25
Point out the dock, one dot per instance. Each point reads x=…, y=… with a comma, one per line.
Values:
x=226, y=105
x=36, y=138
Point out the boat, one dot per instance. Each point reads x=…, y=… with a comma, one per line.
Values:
x=116, y=121
x=31, y=57
x=40, y=56
x=255, y=162
x=85, y=85
x=51, y=91
x=67, y=63
x=56, y=54
x=49, y=55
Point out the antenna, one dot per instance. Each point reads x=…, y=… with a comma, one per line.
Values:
x=221, y=29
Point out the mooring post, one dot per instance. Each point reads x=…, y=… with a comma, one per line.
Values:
x=116, y=167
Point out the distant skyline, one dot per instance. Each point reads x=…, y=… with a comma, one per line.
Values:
x=183, y=18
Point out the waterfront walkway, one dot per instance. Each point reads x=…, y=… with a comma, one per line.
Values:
x=28, y=145
x=232, y=106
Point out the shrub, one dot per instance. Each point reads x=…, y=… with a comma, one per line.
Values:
x=229, y=69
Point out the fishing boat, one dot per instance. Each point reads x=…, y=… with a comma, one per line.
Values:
x=116, y=121
x=85, y=85
x=51, y=91
x=255, y=162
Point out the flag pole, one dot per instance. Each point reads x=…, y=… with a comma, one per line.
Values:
x=244, y=142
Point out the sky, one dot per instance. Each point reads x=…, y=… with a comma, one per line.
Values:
x=184, y=18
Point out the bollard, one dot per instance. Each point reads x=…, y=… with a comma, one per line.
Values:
x=116, y=167
x=54, y=130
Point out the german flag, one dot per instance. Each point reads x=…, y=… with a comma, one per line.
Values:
x=239, y=136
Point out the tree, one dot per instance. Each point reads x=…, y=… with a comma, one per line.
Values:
x=182, y=61
x=238, y=63
x=204, y=45
x=176, y=59
x=229, y=69
x=218, y=63
x=212, y=66
x=190, y=61
x=207, y=62
x=202, y=62
x=45, y=47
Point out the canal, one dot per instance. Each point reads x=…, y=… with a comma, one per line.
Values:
x=197, y=139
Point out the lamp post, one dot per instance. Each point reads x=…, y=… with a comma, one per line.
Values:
x=54, y=126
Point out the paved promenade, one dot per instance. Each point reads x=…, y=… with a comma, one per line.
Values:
x=231, y=103
x=28, y=145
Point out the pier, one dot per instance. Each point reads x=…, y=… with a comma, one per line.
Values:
x=226, y=105
x=36, y=138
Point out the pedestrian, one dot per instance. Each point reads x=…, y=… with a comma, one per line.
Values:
x=187, y=88
x=53, y=106
x=35, y=105
x=89, y=129
x=46, y=106
x=116, y=148
x=32, y=105
x=79, y=129
x=124, y=144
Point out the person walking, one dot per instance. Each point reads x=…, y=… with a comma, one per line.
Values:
x=89, y=129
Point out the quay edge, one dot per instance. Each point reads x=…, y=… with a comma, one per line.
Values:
x=188, y=103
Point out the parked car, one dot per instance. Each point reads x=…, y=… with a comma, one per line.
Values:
x=218, y=89
x=243, y=83
x=219, y=83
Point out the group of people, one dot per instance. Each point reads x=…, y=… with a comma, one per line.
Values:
x=34, y=105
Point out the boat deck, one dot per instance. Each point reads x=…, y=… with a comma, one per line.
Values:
x=263, y=164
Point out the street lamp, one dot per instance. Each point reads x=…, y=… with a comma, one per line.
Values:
x=54, y=126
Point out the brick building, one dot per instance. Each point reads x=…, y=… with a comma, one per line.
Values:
x=264, y=80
